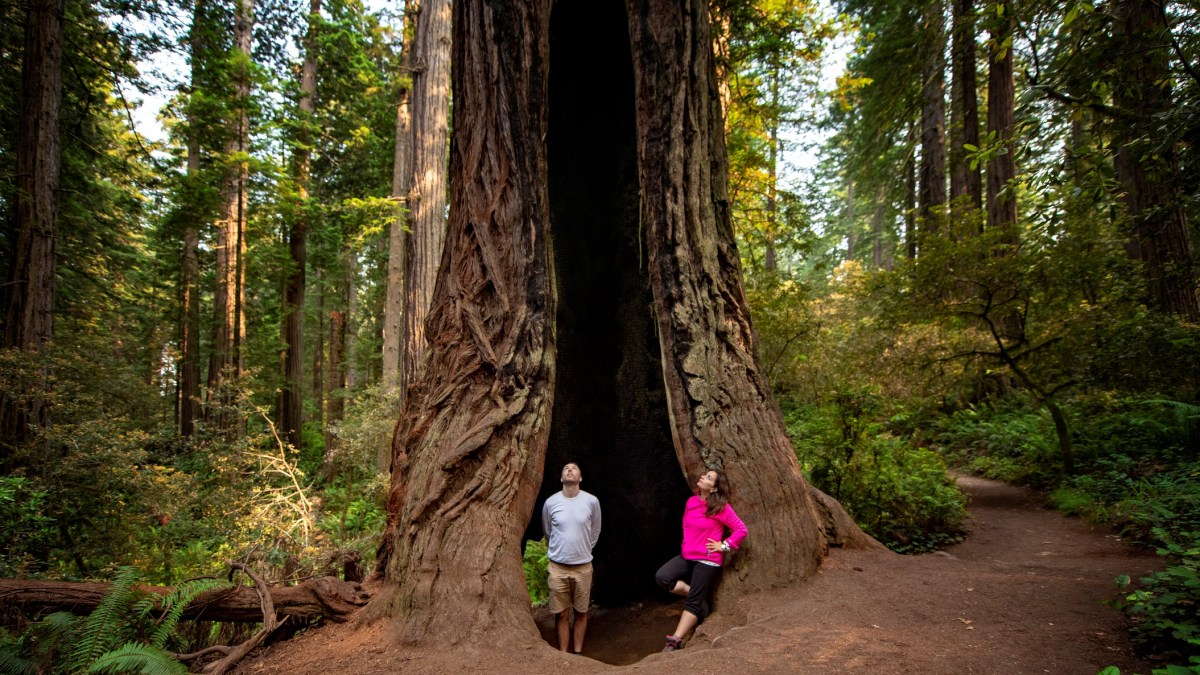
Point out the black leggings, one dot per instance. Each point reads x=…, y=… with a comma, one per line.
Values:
x=701, y=578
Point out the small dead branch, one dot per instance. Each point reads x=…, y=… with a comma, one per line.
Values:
x=269, y=620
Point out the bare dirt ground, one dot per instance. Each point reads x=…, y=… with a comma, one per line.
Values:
x=1022, y=594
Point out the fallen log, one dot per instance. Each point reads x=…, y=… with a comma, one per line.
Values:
x=324, y=597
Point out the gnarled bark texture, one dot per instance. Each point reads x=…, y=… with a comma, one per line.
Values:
x=585, y=200
x=722, y=412
x=468, y=451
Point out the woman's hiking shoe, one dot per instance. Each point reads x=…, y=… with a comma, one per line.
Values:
x=673, y=643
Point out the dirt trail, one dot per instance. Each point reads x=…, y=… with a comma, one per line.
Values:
x=1022, y=594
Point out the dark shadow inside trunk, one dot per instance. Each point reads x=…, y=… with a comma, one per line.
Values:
x=610, y=409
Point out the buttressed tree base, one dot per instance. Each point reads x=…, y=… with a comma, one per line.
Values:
x=589, y=308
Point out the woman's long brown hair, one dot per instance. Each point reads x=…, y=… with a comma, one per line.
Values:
x=719, y=497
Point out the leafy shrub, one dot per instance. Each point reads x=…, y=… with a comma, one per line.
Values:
x=25, y=528
x=534, y=562
x=1166, y=609
x=1013, y=442
x=898, y=493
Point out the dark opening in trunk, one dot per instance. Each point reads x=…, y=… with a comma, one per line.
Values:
x=610, y=410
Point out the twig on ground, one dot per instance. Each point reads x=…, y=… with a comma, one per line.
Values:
x=236, y=654
x=737, y=628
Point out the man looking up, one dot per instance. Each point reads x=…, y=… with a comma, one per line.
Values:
x=571, y=521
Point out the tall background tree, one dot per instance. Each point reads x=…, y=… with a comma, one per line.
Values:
x=428, y=185
x=31, y=289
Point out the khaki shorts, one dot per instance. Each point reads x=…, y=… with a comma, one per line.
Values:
x=570, y=586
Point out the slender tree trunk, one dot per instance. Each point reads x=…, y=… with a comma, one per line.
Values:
x=1002, y=167
x=427, y=201
x=770, y=263
x=880, y=253
x=228, y=296
x=29, y=318
x=291, y=407
x=964, y=107
x=350, y=348
x=1159, y=234
x=189, y=366
x=318, y=386
x=335, y=392
x=933, y=117
x=910, y=205
x=848, y=218
x=402, y=171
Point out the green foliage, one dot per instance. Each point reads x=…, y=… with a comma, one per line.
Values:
x=138, y=658
x=898, y=493
x=24, y=525
x=354, y=514
x=172, y=606
x=535, y=562
x=11, y=662
x=1166, y=608
x=104, y=626
x=1011, y=443
x=129, y=631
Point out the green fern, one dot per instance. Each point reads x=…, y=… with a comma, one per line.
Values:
x=54, y=634
x=12, y=663
x=178, y=600
x=1186, y=415
x=106, y=623
x=134, y=657
x=58, y=628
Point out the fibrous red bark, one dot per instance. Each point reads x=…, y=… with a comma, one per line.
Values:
x=512, y=378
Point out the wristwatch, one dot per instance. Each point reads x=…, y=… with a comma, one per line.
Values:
x=725, y=547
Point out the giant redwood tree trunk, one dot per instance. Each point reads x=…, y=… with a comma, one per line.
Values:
x=229, y=320
x=589, y=308
x=721, y=409
x=1002, y=167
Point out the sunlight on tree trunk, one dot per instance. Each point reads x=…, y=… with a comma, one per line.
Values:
x=427, y=199
x=225, y=362
x=393, y=326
